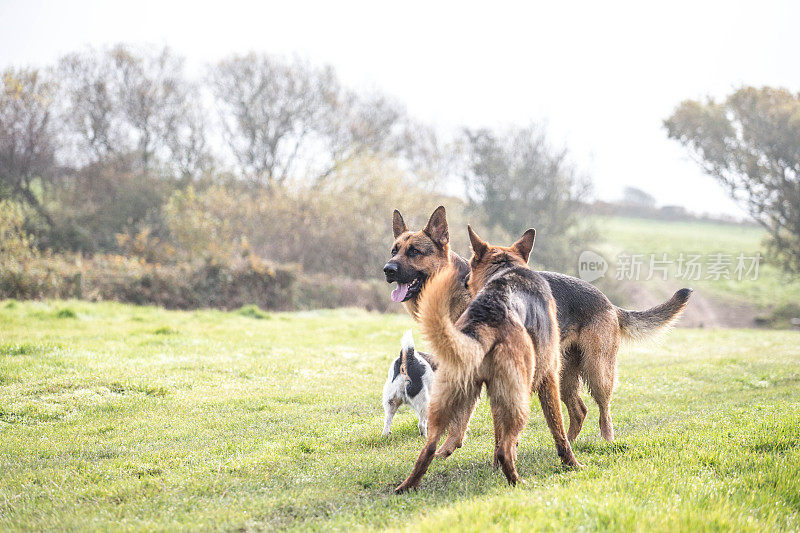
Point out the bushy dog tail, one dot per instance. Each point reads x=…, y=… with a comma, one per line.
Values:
x=406, y=349
x=407, y=342
x=455, y=350
x=639, y=325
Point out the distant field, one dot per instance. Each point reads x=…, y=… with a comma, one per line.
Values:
x=123, y=417
x=642, y=236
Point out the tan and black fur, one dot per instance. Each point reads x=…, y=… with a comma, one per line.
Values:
x=591, y=327
x=506, y=339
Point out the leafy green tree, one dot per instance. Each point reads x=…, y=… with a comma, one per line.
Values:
x=750, y=143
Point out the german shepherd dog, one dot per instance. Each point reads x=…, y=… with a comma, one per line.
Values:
x=591, y=327
x=507, y=339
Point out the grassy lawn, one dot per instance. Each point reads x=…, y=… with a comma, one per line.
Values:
x=122, y=417
x=642, y=236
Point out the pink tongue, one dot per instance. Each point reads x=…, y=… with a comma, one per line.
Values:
x=399, y=294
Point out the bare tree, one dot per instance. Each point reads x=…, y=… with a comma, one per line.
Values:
x=431, y=158
x=360, y=125
x=750, y=143
x=520, y=181
x=93, y=124
x=634, y=196
x=272, y=111
x=122, y=100
x=27, y=144
x=152, y=94
x=284, y=118
x=190, y=152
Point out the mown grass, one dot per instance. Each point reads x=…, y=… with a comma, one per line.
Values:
x=136, y=418
x=641, y=236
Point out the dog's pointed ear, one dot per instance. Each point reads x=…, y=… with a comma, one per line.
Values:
x=398, y=224
x=479, y=246
x=525, y=244
x=437, y=227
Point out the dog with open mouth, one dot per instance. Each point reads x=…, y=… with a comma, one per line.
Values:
x=591, y=327
x=417, y=255
x=506, y=340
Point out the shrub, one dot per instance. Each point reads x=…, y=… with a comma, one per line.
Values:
x=319, y=291
x=16, y=245
x=252, y=311
x=66, y=313
x=190, y=285
x=178, y=286
x=95, y=204
x=340, y=227
x=782, y=317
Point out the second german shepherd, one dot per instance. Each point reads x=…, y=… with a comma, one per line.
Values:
x=507, y=338
x=591, y=326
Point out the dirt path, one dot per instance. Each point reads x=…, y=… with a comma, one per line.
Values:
x=703, y=311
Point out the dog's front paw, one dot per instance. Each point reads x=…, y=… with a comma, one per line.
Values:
x=386, y=433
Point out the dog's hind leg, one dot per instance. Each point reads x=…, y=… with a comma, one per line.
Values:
x=390, y=407
x=420, y=405
x=498, y=436
x=570, y=391
x=509, y=396
x=599, y=372
x=601, y=388
x=551, y=407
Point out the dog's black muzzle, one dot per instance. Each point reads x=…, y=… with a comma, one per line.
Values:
x=390, y=270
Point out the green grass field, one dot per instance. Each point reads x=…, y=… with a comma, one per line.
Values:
x=641, y=236
x=129, y=418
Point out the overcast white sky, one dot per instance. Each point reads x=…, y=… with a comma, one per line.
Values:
x=602, y=75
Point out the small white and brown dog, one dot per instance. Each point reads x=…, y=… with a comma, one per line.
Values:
x=409, y=382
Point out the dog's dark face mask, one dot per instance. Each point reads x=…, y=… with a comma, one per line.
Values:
x=415, y=256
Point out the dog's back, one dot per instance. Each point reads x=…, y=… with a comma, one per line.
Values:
x=520, y=295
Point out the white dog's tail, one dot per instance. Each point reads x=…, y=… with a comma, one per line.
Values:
x=407, y=341
x=406, y=348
